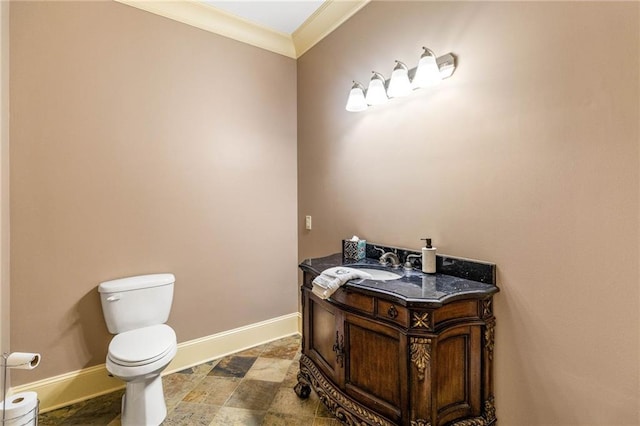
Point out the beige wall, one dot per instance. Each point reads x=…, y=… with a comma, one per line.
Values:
x=527, y=157
x=143, y=145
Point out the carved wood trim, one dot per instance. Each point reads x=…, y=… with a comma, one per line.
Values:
x=420, y=422
x=487, y=308
x=490, y=410
x=488, y=416
x=475, y=421
x=489, y=337
x=348, y=411
x=420, y=319
x=420, y=354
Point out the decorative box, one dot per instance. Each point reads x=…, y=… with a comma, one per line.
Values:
x=354, y=250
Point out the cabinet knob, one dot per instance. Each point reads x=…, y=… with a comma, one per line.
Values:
x=392, y=312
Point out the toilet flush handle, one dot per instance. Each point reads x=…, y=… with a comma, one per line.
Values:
x=113, y=298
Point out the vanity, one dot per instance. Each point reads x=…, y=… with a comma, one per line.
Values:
x=415, y=350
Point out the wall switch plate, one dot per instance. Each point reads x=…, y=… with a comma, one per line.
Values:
x=307, y=223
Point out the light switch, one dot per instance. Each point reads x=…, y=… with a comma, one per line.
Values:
x=307, y=223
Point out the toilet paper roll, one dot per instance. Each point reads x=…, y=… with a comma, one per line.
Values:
x=19, y=409
x=23, y=360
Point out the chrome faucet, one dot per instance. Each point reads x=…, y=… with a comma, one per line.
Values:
x=395, y=262
x=408, y=264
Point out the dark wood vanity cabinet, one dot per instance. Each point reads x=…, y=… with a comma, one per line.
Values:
x=377, y=360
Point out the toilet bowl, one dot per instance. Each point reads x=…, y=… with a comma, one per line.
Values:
x=138, y=357
x=135, y=310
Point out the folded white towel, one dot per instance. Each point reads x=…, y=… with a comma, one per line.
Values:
x=325, y=284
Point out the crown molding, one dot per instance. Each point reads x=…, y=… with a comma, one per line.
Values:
x=323, y=21
x=208, y=18
x=201, y=15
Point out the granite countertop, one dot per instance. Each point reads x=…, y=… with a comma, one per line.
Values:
x=413, y=287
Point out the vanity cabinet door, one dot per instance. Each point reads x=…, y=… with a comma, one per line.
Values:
x=375, y=371
x=323, y=337
x=457, y=374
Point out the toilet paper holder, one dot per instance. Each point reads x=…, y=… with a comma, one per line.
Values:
x=24, y=361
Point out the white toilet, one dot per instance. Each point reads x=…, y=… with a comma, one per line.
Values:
x=135, y=310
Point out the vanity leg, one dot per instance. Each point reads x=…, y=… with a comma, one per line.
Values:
x=302, y=388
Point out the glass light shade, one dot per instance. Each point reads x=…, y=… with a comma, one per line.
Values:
x=399, y=85
x=376, y=92
x=427, y=72
x=356, y=101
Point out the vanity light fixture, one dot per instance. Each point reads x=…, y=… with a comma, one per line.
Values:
x=430, y=71
x=427, y=71
x=399, y=84
x=376, y=92
x=356, y=101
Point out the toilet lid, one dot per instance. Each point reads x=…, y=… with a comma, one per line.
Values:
x=142, y=345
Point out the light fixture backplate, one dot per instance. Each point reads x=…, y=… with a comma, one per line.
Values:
x=446, y=64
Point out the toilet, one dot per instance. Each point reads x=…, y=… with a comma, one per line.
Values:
x=135, y=310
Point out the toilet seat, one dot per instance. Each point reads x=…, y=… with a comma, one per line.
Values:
x=142, y=346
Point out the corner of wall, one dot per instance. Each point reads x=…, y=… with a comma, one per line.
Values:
x=4, y=178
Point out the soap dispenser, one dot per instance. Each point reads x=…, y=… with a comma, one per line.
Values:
x=428, y=257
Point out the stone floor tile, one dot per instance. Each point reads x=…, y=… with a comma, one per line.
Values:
x=322, y=410
x=200, y=370
x=233, y=366
x=287, y=402
x=269, y=369
x=253, y=395
x=192, y=414
x=320, y=421
x=280, y=419
x=115, y=422
x=228, y=416
x=101, y=411
x=55, y=417
x=291, y=378
x=177, y=386
x=286, y=348
x=213, y=390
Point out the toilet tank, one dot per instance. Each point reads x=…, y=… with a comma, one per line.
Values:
x=136, y=302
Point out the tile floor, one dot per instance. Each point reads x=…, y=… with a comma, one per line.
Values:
x=253, y=387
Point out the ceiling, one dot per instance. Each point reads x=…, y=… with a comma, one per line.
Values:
x=288, y=28
x=282, y=16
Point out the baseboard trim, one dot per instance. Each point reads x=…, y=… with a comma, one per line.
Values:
x=69, y=388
